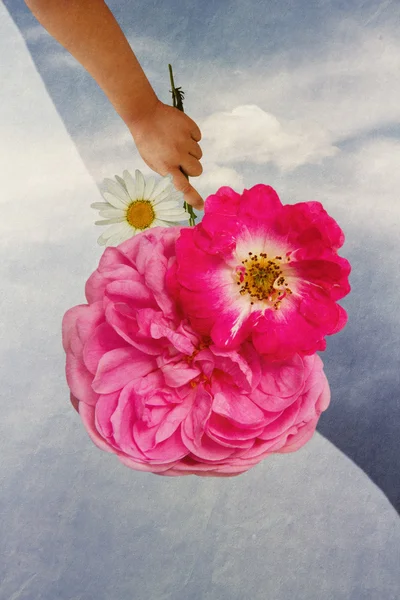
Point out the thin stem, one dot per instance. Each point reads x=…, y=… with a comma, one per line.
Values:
x=177, y=101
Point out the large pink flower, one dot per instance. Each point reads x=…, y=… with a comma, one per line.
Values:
x=255, y=268
x=163, y=398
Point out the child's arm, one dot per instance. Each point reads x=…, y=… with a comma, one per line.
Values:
x=165, y=137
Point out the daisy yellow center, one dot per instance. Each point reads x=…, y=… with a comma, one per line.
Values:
x=263, y=279
x=140, y=214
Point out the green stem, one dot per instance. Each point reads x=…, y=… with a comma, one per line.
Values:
x=177, y=96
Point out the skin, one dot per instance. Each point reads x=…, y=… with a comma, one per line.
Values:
x=165, y=137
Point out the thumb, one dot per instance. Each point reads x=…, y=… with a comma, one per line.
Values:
x=191, y=196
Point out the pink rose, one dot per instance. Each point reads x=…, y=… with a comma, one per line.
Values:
x=255, y=269
x=162, y=397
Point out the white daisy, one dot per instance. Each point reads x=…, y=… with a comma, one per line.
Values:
x=132, y=205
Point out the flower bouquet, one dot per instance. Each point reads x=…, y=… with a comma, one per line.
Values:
x=196, y=350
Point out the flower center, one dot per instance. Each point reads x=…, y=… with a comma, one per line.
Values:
x=202, y=378
x=262, y=279
x=202, y=345
x=140, y=214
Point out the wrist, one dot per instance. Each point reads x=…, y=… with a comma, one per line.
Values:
x=138, y=116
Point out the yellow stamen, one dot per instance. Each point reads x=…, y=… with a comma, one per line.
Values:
x=262, y=279
x=140, y=214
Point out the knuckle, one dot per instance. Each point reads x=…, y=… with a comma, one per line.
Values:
x=182, y=185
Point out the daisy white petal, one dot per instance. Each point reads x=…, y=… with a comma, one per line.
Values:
x=112, y=212
x=167, y=204
x=161, y=187
x=111, y=231
x=150, y=185
x=157, y=223
x=130, y=185
x=175, y=195
x=109, y=221
x=115, y=201
x=121, y=182
x=100, y=205
x=169, y=215
x=133, y=205
x=127, y=232
x=166, y=195
x=116, y=190
x=120, y=237
x=140, y=184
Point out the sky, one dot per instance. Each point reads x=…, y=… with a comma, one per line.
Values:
x=300, y=97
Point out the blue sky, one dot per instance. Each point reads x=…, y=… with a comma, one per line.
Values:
x=301, y=96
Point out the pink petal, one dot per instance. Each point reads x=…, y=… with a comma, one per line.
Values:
x=258, y=201
x=224, y=432
x=135, y=293
x=137, y=465
x=299, y=439
x=233, y=364
x=123, y=420
x=195, y=423
x=225, y=201
x=78, y=324
x=127, y=327
x=102, y=340
x=119, y=367
x=102, y=277
x=287, y=418
x=87, y=414
x=179, y=374
x=80, y=380
x=217, y=234
x=283, y=379
x=239, y=409
x=233, y=326
x=172, y=421
x=105, y=407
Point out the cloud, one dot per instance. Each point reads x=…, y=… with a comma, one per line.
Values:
x=368, y=189
x=309, y=122
x=346, y=86
x=214, y=176
x=249, y=134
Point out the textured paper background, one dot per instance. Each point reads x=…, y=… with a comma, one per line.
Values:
x=304, y=98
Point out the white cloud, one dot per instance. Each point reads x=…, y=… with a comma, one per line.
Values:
x=282, y=119
x=249, y=134
x=214, y=176
x=347, y=86
x=367, y=193
x=299, y=110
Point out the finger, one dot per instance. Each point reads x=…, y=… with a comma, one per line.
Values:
x=195, y=150
x=195, y=132
x=193, y=198
x=192, y=166
x=182, y=185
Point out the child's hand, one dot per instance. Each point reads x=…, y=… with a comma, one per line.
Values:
x=167, y=139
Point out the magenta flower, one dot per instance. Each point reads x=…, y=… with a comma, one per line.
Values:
x=162, y=397
x=256, y=269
